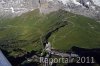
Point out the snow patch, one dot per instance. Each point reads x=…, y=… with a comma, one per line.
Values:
x=64, y=1
x=96, y=2
x=50, y=0
x=75, y=2
x=88, y=3
x=12, y=9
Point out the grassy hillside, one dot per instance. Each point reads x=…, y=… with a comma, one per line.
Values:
x=26, y=32
x=81, y=32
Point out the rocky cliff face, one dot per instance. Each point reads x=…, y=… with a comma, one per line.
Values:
x=50, y=5
x=16, y=7
x=89, y=8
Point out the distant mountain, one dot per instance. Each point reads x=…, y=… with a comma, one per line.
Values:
x=89, y=8
x=16, y=7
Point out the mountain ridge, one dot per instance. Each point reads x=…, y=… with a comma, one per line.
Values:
x=88, y=8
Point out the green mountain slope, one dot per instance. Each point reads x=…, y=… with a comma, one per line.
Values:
x=28, y=31
x=81, y=32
